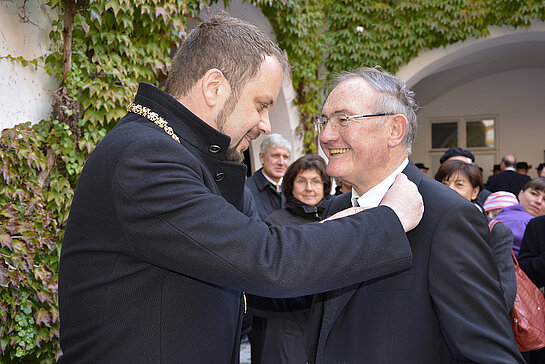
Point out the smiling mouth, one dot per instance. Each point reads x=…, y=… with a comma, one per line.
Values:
x=338, y=151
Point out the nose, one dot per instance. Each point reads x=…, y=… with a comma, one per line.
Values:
x=264, y=125
x=328, y=134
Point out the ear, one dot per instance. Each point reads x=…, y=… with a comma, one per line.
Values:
x=397, y=128
x=261, y=157
x=213, y=86
x=474, y=193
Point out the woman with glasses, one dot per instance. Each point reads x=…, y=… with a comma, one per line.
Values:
x=307, y=187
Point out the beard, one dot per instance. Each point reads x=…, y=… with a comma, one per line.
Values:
x=232, y=154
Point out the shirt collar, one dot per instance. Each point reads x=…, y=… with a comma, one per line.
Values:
x=510, y=168
x=273, y=182
x=373, y=197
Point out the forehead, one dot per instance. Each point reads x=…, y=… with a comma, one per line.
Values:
x=312, y=172
x=274, y=150
x=352, y=95
x=266, y=83
x=457, y=176
x=531, y=189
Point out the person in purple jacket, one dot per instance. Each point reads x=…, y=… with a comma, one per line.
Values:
x=532, y=204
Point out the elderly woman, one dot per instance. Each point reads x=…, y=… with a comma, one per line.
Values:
x=466, y=179
x=306, y=186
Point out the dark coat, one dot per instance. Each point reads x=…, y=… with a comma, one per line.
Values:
x=284, y=337
x=509, y=181
x=297, y=213
x=447, y=308
x=266, y=199
x=157, y=252
x=532, y=251
x=502, y=246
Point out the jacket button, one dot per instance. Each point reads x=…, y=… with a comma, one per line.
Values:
x=219, y=177
x=214, y=148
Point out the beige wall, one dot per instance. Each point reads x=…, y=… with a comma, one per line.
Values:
x=25, y=93
x=516, y=97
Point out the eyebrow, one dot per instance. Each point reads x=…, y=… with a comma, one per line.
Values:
x=337, y=112
x=266, y=100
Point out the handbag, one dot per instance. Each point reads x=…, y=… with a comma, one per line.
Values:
x=528, y=313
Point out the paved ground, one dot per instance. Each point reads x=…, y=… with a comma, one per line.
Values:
x=245, y=352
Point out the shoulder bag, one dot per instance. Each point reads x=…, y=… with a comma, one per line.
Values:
x=528, y=313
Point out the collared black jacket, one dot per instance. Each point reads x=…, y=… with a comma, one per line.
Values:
x=157, y=252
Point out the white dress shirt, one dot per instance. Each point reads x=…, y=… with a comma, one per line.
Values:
x=373, y=197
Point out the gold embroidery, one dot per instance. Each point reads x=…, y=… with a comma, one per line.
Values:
x=152, y=116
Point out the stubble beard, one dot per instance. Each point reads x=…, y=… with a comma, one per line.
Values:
x=232, y=154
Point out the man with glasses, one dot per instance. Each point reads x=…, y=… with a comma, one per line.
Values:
x=448, y=307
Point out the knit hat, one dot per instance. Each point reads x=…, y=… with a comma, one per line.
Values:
x=499, y=200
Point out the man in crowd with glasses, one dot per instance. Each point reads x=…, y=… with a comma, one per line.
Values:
x=448, y=307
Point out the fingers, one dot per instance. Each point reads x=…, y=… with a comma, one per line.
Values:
x=403, y=197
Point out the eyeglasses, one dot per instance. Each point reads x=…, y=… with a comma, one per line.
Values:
x=341, y=119
x=302, y=183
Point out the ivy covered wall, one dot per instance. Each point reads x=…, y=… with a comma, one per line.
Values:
x=104, y=48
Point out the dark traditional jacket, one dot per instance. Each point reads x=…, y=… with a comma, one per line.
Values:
x=157, y=252
x=266, y=199
x=447, y=308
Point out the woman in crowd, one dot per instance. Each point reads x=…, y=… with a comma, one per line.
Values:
x=532, y=204
x=306, y=186
x=466, y=179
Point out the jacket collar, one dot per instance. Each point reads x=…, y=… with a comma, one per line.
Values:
x=260, y=180
x=300, y=208
x=183, y=121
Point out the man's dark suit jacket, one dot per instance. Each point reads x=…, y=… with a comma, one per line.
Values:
x=157, y=252
x=447, y=308
x=266, y=199
x=509, y=181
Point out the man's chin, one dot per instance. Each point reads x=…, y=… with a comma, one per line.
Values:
x=234, y=155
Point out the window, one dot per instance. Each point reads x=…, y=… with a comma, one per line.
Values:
x=480, y=133
x=470, y=132
x=444, y=135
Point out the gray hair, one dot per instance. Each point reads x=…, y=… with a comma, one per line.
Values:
x=394, y=97
x=229, y=44
x=274, y=140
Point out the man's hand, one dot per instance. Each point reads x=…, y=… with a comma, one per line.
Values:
x=403, y=197
x=347, y=212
